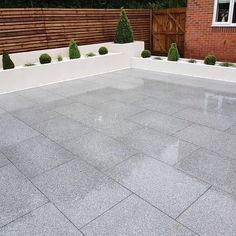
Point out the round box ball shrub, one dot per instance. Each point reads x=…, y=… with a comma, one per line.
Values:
x=210, y=60
x=45, y=59
x=173, y=54
x=74, y=52
x=146, y=54
x=103, y=51
x=7, y=63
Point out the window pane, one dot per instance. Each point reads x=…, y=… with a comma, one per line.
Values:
x=223, y=11
x=234, y=12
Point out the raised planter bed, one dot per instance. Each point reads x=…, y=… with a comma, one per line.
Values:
x=120, y=56
x=183, y=67
x=23, y=77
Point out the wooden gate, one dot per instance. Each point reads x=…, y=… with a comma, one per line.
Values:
x=168, y=26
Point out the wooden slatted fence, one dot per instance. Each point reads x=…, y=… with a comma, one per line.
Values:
x=26, y=29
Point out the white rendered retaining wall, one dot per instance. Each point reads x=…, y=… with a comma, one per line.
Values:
x=22, y=77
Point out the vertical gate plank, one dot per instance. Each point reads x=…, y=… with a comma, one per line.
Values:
x=168, y=27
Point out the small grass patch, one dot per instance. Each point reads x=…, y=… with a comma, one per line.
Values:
x=29, y=64
x=158, y=58
x=91, y=54
x=192, y=61
x=227, y=64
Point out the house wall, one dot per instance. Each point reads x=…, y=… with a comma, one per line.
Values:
x=201, y=38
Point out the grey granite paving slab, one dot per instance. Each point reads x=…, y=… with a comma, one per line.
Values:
x=75, y=111
x=46, y=220
x=37, y=155
x=131, y=79
x=175, y=150
x=13, y=131
x=94, y=97
x=211, y=168
x=213, y=214
x=135, y=217
x=212, y=120
x=39, y=95
x=17, y=195
x=161, y=122
x=56, y=104
x=160, y=146
x=61, y=129
x=159, y=105
x=13, y=102
x=118, y=76
x=83, y=86
x=221, y=103
x=99, y=150
x=62, y=89
x=199, y=135
x=109, y=124
x=88, y=78
x=189, y=97
x=128, y=96
x=225, y=145
x=116, y=84
x=163, y=186
x=34, y=115
x=217, y=141
x=118, y=109
x=79, y=191
x=151, y=91
x=3, y=160
x=4, y=114
x=147, y=141
x=232, y=129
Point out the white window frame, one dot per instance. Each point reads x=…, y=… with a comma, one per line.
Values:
x=230, y=19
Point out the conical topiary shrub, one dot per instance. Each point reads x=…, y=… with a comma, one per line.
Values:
x=74, y=52
x=7, y=63
x=173, y=54
x=124, y=33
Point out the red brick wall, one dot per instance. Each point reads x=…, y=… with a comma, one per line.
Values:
x=201, y=38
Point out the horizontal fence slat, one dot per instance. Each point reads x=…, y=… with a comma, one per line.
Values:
x=26, y=29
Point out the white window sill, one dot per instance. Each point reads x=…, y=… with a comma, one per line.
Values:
x=223, y=25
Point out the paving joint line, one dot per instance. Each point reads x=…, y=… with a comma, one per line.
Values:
x=46, y=197
x=193, y=203
x=124, y=199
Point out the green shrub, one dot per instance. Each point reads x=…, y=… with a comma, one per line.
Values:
x=192, y=61
x=45, y=59
x=29, y=64
x=227, y=64
x=173, y=54
x=146, y=54
x=74, y=52
x=59, y=58
x=210, y=60
x=103, y=50
x=124, y=33
x=91, y=54
x=7, y=63
x=158, y=58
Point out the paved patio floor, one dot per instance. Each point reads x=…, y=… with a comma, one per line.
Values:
x=126, y=153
